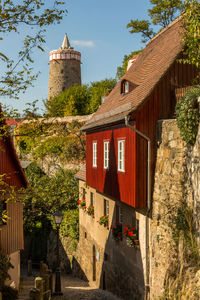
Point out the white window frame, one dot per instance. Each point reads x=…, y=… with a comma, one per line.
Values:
x=106, y=155
x=121, y=155
x=126, y=87
x=94, y=156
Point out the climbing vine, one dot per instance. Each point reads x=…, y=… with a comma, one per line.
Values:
x=187, y=113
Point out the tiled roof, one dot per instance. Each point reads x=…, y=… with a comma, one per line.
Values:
x=81, y=174
x=149, y=67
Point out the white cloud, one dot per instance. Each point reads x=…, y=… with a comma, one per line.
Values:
x=83, y=43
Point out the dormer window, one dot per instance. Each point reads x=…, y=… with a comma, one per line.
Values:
x=124, y=87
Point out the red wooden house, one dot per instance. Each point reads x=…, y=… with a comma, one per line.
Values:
x=152, y=85
x=11, y=231
x=117, y=156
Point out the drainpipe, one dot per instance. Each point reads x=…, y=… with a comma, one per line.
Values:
x=147, y=286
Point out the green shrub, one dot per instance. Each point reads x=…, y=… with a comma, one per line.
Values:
x=187, y=113
x=70, y=224
x=50, y=146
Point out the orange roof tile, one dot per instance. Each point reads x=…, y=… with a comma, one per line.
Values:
x=149, y=67
x=81, y=174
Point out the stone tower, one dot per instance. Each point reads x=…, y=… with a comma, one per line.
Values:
x=64, y=68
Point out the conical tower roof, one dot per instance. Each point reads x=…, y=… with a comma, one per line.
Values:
x=66, y=44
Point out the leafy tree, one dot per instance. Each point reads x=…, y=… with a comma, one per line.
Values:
x=143, y=27
x=98, y=89
x=79, y=100
x=47, y=195
x=34, y=16
x=192, y=32
x=162, y=14
x=122, y=70
x=73, y=101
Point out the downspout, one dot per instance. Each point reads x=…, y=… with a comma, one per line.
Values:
x=147, y=285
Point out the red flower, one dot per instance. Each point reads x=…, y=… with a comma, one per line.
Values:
x=126, y=228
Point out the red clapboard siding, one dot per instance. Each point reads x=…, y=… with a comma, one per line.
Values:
x=111, y=182
x=9, y=165
x=11, y=234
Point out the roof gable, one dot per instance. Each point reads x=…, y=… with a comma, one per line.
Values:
x=150, y=66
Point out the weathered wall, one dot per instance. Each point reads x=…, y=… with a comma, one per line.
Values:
x=106, y=263
x=193, y=182
x=176, y=179
x=62, y=75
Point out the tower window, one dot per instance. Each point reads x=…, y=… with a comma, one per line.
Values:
x=62, y=71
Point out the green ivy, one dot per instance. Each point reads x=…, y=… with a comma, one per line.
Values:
x=187, y=114
x=50, y=146
x=70, y=224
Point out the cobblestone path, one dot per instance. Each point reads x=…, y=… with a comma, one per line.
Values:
x=72, y=288
x=76, y=289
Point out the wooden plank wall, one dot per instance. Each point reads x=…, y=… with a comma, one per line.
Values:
x=160, y=105
x=111, y=182
x=8, y=165
x=11, y=234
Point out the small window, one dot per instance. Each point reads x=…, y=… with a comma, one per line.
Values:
x=92, y=199
x=119, y=214
x=94, y=154
x=124, y=87
x=106, y=207
x=121, y=158
x=106, y=155
x=83, y=193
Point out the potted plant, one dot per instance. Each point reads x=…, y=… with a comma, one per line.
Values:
x=104, y=220
x=90, y=210
x=117, y=231
x=131, y=236
x=82, y=204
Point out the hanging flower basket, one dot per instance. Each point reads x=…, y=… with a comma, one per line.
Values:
x=90, y=210
x=117, y=231
x=104, y=220
x=82, y=204
x=131, y=236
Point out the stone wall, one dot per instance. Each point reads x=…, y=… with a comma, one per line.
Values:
x=106, y=263
x=62, y=75
x=176, y=179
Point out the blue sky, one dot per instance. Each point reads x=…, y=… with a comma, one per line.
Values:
x=95, y=28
